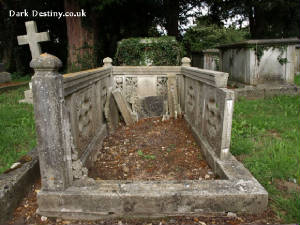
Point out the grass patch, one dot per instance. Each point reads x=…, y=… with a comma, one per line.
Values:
x=17, y=127
x=266, y=132
x=297, y=79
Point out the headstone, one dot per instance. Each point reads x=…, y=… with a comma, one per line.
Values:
x=4, y=76
x=124, y=108
x=32, y=38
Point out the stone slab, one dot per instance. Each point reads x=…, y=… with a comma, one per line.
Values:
x=111, y=112
x=123, y=107
x=146, y=86
x=5, y=77
x=251, y=92
x=15, y=184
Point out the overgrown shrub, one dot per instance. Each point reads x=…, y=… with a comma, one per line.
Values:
x=149, y=51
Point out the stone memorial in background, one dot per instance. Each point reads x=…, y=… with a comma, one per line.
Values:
x=207, y=59
x=4, y=76
x=32, y=38
x=256, y=62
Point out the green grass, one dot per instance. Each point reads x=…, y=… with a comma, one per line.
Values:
x=297, y=79
x=16, y=77
x=17, y=129
x=266, y=136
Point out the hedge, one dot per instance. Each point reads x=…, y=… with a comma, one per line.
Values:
x=155, y=51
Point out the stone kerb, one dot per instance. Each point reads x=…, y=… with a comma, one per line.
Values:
x=53, y=131
x=209, y=108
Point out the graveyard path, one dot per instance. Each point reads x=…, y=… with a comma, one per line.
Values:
x=151, y=150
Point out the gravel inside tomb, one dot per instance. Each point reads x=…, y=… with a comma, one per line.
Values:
x=151, y=149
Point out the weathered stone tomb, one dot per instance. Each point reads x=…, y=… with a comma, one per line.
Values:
x=73, y=112
x=255, y=62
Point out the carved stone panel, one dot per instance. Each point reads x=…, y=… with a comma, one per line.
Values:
x=130, y=89
x=82, y=118
x=162, y=86
x=191, y=99
x=212, y=118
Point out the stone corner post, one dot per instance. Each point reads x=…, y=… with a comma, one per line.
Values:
x=50, y=120
x=185, y=61
x=107, y=62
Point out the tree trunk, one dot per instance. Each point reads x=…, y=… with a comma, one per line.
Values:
x=172, y=17
x=80, y=40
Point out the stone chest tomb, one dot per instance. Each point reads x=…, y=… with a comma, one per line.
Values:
x=75, y=111
x=255, y=62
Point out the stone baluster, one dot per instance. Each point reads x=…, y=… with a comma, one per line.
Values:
x=107, y=62
x=185, y=61
x=52, y=126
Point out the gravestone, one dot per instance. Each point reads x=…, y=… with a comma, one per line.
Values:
x=4, y=76
x=32, y=38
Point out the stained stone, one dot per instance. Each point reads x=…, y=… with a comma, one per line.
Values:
x=152, y=106
x=123, y=107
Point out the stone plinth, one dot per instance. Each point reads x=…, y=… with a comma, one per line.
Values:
x=260, y=61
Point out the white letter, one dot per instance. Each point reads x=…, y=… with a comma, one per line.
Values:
x=11, y=13
x=34, y=13
x=60, y=15
x=83, y=14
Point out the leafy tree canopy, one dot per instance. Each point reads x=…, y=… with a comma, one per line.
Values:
x=205, y=35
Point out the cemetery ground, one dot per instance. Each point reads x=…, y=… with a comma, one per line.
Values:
x=265, y=137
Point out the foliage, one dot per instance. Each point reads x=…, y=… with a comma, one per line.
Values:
x=265, y=135
x=145, y=156
x=297, y=79
x=267, y=19
x=160, y=51
x=17, y=129
x=204, y=36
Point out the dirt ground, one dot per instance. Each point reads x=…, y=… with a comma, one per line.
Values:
x=151, y=150
x=148, y=150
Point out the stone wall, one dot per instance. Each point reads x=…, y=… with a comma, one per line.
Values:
x=145, y=88
x=85, y=96
x=209, y=108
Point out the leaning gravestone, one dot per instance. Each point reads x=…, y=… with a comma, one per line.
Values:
x=32, y=38
x=4, y=76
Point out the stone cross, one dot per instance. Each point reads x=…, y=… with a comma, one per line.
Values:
x=33, y=38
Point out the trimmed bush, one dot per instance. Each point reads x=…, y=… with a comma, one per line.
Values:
x=149, y=51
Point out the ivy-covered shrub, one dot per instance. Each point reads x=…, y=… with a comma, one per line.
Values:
x=149, y=51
